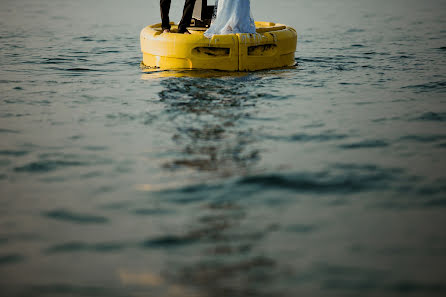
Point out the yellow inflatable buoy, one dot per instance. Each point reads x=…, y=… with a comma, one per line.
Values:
x=273, y=46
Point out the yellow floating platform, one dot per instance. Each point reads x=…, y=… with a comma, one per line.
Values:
x=273, y=46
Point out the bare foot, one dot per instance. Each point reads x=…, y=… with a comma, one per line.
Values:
x=186, y=32
x=166, y=31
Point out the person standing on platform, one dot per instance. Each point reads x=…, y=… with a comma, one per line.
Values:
x=185, y=20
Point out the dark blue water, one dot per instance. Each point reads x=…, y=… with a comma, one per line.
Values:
x=326, y=179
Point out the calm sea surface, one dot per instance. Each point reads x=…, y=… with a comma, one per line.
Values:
x=327, y=179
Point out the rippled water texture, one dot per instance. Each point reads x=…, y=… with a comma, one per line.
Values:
x=327, y=179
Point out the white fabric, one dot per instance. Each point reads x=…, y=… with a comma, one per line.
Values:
x=233, y=16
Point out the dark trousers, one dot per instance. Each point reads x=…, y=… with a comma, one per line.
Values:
x=185, y=20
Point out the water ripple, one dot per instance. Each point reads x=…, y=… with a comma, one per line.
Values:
x=424, y=138
x=432, y=117
x=13, y=153
x=2, y=130
x=10, y=259
x=78, y=246
x=408, y=287
x=168, y=241
x=47, y=166
x=304, y=137
x=373, y=143
x=79, y=218
x=67, y=289
x=437, y=86
x=323, y=182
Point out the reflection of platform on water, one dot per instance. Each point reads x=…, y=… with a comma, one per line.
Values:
x=207, y=117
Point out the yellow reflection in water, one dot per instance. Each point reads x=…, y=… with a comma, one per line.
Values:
x=148, y=187
x=153, y=73
x=150, y=73
x=141, y=279
x=161, y=187
x=147, y=279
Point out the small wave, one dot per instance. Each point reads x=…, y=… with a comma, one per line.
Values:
x=59, y=289
x=146, y=118
x=167, y=241
x=80, y=69
x=76, y=137
x=13, y=153
x=96, y=148
x=78, y=246
x=339, y=178
x=10, y=259
x=435, y=203
x=340, y=68
x=424, y=138
x=302, y=228
x=9, y=131
x=355, y=30
x=304, y=137
x=65, y=215
x=400, y=57
x=428, y=87
x=323, y=182
x=314, y=125
x=380, y=120
x=150, y=211
x=84, y=38
x=338, y=58
x=434, y=188
x=377, y=143
x=56, y=60
x=410, y=286
x=347, y=277
x=91, y=174
x=9, y=81
x=432, y=117
x=47, y=166
x=108, y=52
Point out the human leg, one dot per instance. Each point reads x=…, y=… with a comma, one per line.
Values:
x=165, y=7
x=187, y=16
